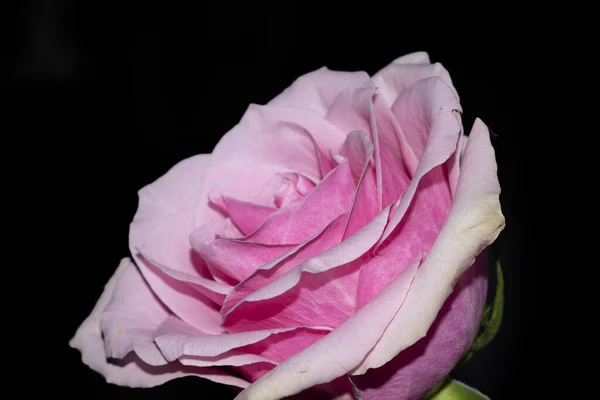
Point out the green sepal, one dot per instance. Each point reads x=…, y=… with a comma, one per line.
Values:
x=451, y=389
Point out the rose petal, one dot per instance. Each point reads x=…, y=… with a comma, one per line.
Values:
x=273, y=229
x=246, y=216
x=435, y=106
x=358, y=149
x=236, y=258
x=318, y=89
x=259, y=141
x=293, y=189
x=175, y=338
x=323, y=240
x=402, y=73
x=166, y=213
x=328, y=200
x=474, y=222
x=338, y=352
x=453, y=165
x=131, y=371
x=416, y=233
x=394, y=177
x=131, y=317
x=287, y=310
x=419, y=367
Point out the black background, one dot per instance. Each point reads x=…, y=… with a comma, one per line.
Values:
x=113, y=95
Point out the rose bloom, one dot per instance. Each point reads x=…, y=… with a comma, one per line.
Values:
x=332, y=242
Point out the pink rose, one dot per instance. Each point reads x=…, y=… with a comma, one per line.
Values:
x=328, y=239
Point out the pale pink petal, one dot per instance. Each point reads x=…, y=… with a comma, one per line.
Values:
x=453, y=165
x=175, y=339
x=416, y=233
x=474, y=222
x=350, y=109
x=231, y=358
x=436, y=108
x=329, y=199
x=325, y=164
x=166, y=214
x=260, y=140
x=246, y=216
x=131, y=371
x=293, y=189
x=404, y=72
x=418, y=57
x=197, y=309
x=238, y=259
x=131, y=317
x=318, y=89
x=344, y=253
x=338, y=352
x=211, y=289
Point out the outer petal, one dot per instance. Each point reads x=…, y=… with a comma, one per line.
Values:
x=317, y=90
x=474, y=222
x=131, y=317
x=131, y=371
x=419, y=367
x=405, y=72
x=166, y=214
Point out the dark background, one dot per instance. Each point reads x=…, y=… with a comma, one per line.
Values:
x=112, y=95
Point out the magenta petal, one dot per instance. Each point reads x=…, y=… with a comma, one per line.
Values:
x=358, y=149
x=415, y=234
x=293, y=189
x=394, y=178
x=246, y=216
x=328, y=200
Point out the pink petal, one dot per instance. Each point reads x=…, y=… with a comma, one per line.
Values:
x=131, y=317
x=394, y=177
x=416, y=233
x=131, y=371
x=317, y=90
x=401, y=74
x=176, y=339
x=338, y=352
x=325, y=165
x=392, y=136
x=166, y=213
x=246, y=216
x=231, y=358
x=328, y=200
x=350, y=109
x=474, y=222
x=260, y=140
x=273, y=229
x=420, y=366
x=329, y=298
x=236, y=258
x=435, y=108
x=211, y=289
x=453, y=165
x=358, y=149
x=293, y=189
x=269, y=272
